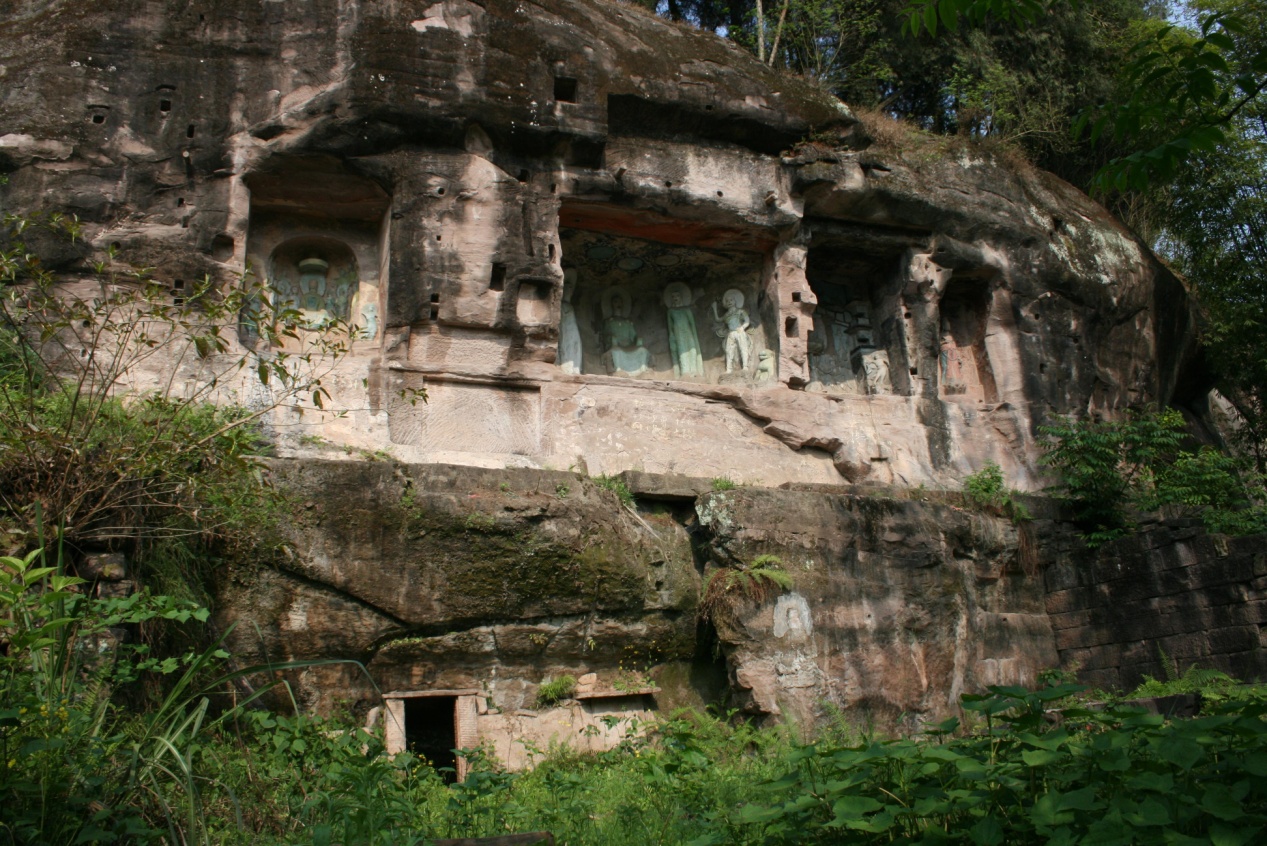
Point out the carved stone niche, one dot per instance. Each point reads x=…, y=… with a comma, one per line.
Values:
x=317, y=238
x=848, y=349
x=963, y=366
x=316, y=276
x=652, y=309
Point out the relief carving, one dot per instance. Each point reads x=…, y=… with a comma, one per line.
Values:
x=683, y=338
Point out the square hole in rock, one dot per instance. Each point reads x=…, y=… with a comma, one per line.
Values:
x=564, y=89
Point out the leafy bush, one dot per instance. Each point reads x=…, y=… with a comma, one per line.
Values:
x=985, y=488
x=1212, y=685
x=167, y=475
x=724, y=483
x=729, y=588
x=1108, y=467
x=1116, y=776
x=553, y=692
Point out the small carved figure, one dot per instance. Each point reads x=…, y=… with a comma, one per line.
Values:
x=951, y=361
x=734, y=328
x=766, y=366
x=569, y=335
x=312, y=292
x=875, y=366
x=625, y=352
x=683, y=339
x=369, y=321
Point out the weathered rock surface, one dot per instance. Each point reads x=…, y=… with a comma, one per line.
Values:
x=451, y=578
x=502, y=195
x=458, y=577
x=897, y=606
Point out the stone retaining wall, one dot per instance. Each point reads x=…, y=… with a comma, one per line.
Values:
x=1171, y=593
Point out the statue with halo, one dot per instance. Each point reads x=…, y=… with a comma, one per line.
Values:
x=734, y=326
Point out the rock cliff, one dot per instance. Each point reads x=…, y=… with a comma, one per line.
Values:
x=603, y=242
x=599, y=239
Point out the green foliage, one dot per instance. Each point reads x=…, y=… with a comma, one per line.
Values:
x=170, y=475
x=1210, y=684
x=76, y=767
x=724, y=483
x=1211, y=222
x=1107, y=467
x=991, y=80
x=555, y=691
x=985, y=488
x=1187, y=90
x=617, y=486
x=929, y=14
x=1117, y=776
x=730, y=588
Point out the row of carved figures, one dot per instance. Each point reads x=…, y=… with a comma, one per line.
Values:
x=625, y=353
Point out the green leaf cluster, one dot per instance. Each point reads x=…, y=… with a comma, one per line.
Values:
x=617, y=486
x=552, y=692
x=1115, y=776
x=1109, y=467
x=76, y=764
x=986, y=489
x=729, y=588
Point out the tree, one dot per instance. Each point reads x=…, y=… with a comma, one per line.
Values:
x=1185, y=93
x=990, y=81
x=1211, y=221
x=94, y=459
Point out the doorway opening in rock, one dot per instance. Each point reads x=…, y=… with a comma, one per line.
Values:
x=431, y=732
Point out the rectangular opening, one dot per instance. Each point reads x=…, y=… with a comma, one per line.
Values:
x=534, y=289
x=796, y=296
x=431, y=732
x=564, y=89
x=789, y=327
x=164, y=105
x=435, y=298
x=497, y=282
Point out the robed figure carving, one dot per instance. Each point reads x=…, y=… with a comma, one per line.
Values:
x=683, y=338
x=569, y=333
x=625, y=351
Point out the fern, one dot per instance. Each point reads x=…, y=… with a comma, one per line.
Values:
x=553, y=692
x=728, y=589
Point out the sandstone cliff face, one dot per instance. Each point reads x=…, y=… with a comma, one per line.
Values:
x=442, y=577
x=897, y=606
x=453, y=578
x=607, y=243
x=509, y=197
